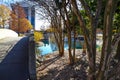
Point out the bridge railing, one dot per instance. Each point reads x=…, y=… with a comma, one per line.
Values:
x=32, y=58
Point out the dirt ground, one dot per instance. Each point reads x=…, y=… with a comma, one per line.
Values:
x=58, y=68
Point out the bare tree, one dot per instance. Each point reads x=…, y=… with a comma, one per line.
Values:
x=49, y=11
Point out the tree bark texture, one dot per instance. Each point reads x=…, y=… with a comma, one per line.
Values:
x=107, y=38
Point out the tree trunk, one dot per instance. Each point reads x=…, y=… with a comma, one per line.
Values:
x=117, y=56
x=89, y=43
x=107, y=37
x=69, y=49
x=61, y=45
x=3, y=24
x=74, y=43
x=67, y=23
x=58, y=34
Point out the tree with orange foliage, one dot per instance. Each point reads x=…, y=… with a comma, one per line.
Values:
x=13, y=22
x=19, y=23
x=25, y=25
x=4, y=15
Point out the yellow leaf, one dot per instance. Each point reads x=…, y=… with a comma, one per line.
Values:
x=38, y=36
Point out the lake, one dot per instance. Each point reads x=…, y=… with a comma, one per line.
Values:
x=50, y=47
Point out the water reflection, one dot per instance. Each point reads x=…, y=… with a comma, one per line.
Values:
x=50, y=46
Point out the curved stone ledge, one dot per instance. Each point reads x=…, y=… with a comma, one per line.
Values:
x=7, y=33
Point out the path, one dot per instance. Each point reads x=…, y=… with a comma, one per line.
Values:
x=14, y=59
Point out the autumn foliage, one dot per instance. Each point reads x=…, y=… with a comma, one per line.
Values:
x=4, y=15
x=18, y=22
x=37, y=36
x=14, y=22
x=25, y=25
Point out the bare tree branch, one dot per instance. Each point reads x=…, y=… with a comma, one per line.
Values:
x=98, y=9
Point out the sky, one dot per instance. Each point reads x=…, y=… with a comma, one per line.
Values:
x=39, y=23
x=7, y=2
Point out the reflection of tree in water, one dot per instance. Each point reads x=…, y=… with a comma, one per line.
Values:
x=78, y=44
x=53, y=44
x=46, y=42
